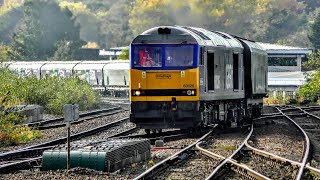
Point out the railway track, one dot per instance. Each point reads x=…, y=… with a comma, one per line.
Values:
x=259, y=164
x=309, y=124
x=59, y=122
x=60, y=133
x=223, y=161
x=22, y=157
x=30, y=157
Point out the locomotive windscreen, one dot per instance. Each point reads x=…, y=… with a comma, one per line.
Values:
x=147, y=56
x=163, y=56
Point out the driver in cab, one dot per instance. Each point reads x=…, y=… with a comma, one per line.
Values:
x=145, y=58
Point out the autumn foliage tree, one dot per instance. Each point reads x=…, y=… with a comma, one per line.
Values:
x=315, y=32
x=44, y=25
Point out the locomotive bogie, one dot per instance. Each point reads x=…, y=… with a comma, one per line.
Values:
x=165, y=114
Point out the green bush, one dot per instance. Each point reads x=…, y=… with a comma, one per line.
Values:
x=311, y=89
x=277, y=100
x=11, y=134
x=50, y=92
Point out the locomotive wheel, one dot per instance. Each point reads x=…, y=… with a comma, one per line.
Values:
x=228, y=124
x=154, y=131
x=147, y=131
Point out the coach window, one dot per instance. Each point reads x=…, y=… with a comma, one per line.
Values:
x=236, y=71
x=147, y=56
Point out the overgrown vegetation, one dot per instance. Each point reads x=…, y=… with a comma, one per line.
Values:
x=276, y=100
x=51, y=92
x=311, y=89
x=124, y=54
x=12, y=134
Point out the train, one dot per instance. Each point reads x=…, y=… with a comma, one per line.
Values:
x=188, y=77
x=109, y=78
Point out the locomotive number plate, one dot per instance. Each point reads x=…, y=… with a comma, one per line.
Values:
x=188, y=85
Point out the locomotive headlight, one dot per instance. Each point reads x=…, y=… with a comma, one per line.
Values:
x=189, y=92
x=137, y=93
x=192, y=92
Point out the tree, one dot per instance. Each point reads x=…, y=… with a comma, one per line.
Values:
x=124, y=54
x=44, y=25
x=311, y=89
x=87, y=20
x=6, y=53
x=114, y=29
x=9, y=21
x=315, y=32
x=313, y=61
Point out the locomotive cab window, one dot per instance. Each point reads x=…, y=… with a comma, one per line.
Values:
x=179, y=56
x=147, y=56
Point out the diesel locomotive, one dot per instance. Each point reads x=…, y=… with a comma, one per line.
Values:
x=187, y=77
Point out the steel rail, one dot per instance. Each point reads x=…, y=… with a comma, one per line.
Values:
x=224, y=162
x=25, y=153
x=306, y=147
x=27, y=162
x=279, y=158
x=311, y=108
x=5, y=168
x=249, y=171
x=89, y=117
x=81, y=116
x=151, y=171
x=64, y=139
x=305, y=112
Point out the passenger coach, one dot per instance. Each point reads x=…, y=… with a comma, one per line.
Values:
x=185, y=77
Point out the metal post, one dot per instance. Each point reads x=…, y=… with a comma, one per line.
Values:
x=71, y=113
x=68, y=142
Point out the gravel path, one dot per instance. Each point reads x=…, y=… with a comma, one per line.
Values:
x=52, y=134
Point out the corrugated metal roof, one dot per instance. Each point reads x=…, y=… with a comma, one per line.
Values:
x=281, y=49
x=286, y=78
x=286, y=82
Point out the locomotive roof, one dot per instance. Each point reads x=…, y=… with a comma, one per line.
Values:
x=186, y=35
x=253, y=46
